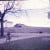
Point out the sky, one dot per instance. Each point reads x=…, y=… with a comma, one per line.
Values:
x=35, y=17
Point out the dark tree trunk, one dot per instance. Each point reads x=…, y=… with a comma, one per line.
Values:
x=2, y=28
x=2, y=23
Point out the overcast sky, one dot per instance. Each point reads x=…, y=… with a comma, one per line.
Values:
x=35, y=17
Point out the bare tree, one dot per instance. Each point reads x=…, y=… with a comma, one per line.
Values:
x=8, y=7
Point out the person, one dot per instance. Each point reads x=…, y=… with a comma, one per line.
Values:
x=8, y=37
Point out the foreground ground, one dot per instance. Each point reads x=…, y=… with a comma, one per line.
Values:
x=27, y=42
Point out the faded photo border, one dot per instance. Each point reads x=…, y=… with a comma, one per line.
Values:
x=12, y=0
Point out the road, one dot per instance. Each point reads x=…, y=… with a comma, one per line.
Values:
x=19, y=36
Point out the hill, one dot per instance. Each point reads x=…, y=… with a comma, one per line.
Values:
x=21, y=28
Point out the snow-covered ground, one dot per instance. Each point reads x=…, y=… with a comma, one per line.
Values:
x=19, y=36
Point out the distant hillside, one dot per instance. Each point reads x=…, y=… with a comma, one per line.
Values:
x=21, y=28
